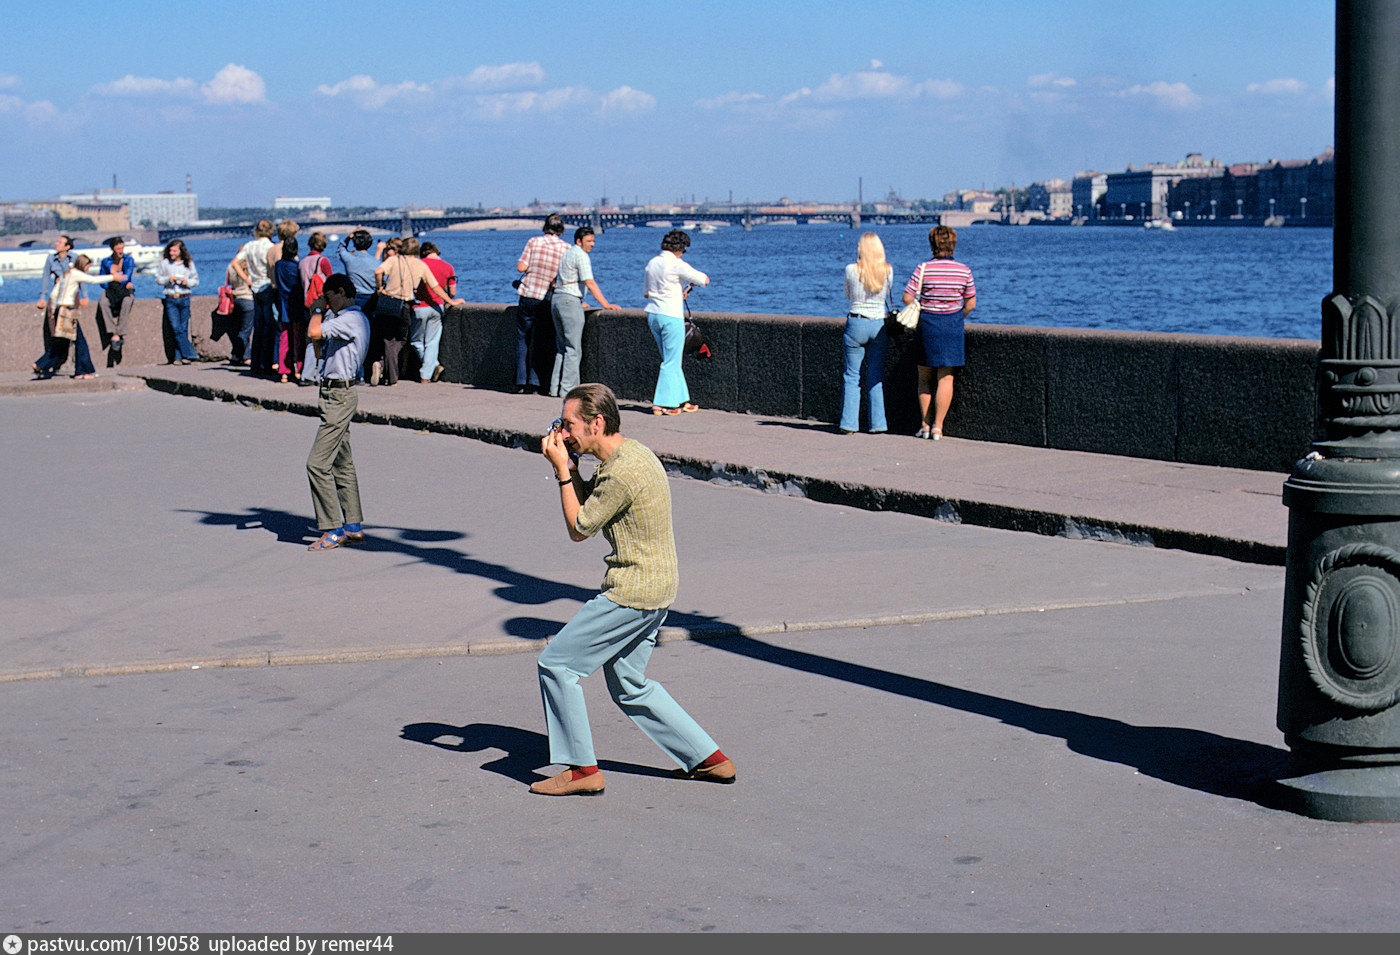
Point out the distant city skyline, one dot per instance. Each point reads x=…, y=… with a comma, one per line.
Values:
x=468, y=104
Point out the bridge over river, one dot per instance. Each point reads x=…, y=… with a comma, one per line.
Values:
x=602, y=220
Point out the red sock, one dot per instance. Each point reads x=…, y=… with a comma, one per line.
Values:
x=578, y=772
x=714, y=759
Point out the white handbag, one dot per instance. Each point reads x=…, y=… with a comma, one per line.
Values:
x=908, y=316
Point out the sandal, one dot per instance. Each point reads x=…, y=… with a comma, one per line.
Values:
x=657, y=409
x=689, y=407
x=935, y=434
x=922, y=432
x=327, y=541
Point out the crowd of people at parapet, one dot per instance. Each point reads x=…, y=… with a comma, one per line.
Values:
x=270, y=291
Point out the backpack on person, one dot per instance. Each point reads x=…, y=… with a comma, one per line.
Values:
x=317, y=282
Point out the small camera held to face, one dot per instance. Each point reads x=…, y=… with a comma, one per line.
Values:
x=558, y=425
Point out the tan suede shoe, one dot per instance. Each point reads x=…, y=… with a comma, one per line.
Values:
x=719, y=773
x=564, y=785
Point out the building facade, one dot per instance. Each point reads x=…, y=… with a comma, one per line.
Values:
x=156, y=208
x=1292, y=189
x=1053, y=198
x=1144, y=194
x=106, y=216
x=1087, y=190
x=164, y=208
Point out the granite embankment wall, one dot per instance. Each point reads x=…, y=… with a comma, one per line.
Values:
x=1198, y=399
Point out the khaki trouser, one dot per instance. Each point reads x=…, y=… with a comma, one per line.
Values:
x=335, y=490
x=114, y=322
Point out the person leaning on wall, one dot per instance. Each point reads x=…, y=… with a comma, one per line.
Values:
x=946, y=295
x=574, y=281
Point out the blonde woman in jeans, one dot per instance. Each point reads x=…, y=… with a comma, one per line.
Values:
x=868, y=282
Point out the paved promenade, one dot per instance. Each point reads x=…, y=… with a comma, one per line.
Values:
x=938, y=726
x=1225, y=511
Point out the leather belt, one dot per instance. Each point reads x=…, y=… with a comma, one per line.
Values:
x=337, y=383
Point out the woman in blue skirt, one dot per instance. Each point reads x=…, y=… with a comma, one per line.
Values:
x=946, y=294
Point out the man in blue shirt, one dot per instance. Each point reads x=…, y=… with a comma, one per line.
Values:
x=335, y=490
x=358, y=263
x=114, y=305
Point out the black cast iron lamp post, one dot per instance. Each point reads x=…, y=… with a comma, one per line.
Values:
x=1339, y=672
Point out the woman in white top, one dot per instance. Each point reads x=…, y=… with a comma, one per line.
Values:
x=666, y=319
x=868, y=281
x=64, y=300
x=176, y=274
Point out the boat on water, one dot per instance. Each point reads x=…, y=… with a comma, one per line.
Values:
x=29, y=263
x=1165, y=224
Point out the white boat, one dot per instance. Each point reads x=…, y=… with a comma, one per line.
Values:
x=1165, y=224
x=29, y=263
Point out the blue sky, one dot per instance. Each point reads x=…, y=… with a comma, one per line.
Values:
x=464, y=103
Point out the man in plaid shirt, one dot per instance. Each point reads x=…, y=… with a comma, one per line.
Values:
x=540, y=264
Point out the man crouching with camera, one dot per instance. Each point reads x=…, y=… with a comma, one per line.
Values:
x=629, y=501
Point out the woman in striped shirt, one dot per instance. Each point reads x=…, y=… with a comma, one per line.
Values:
x=946, y=294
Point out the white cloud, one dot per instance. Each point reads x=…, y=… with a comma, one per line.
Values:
x=501, y=105
x=940, y=89
x=734, y=100
x=369, y=95
x=235, y=84
x=862, y=84
x=1050, y=81
x=1173, y=96
x=1280, y=87
x=453, y=94
x=131, y=85
x=41, y=113
x=232, y=85
x=8, y=81
x=563, y=98
x=873, y=84
x=625, y=99
x=359, y=83
x=502, y=77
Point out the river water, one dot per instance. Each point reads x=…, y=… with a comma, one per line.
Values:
x=1240, y=281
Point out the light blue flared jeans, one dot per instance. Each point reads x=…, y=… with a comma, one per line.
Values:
x=865, y=339
x=619, y=640
x=669, y=332
x=568, y=342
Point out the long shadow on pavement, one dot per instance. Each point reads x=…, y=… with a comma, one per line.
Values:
x=525, y=750
x=411, y=542
x=1194, y=759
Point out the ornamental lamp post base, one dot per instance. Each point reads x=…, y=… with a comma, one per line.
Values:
x=1339, y=665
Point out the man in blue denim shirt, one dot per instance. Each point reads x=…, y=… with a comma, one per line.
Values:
x=358, y=263
x=114, y=305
